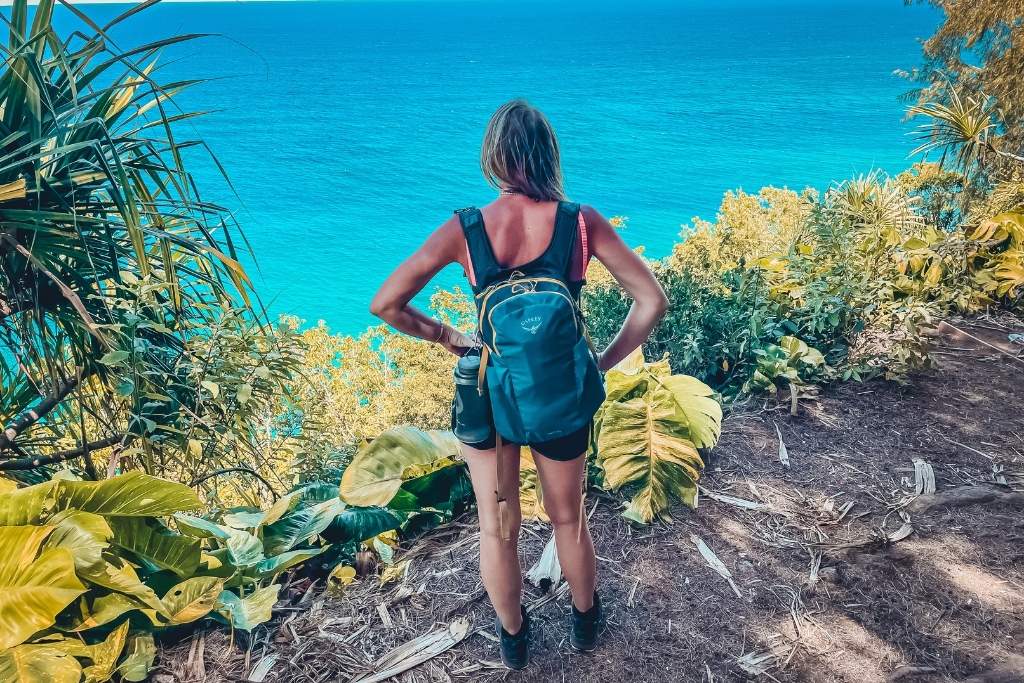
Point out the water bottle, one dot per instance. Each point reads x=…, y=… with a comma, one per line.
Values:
x=471, y=409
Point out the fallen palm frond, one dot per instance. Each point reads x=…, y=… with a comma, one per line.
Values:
x=415, y=652
x=709, y=556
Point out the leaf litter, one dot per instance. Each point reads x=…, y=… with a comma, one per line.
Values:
x=824, y=596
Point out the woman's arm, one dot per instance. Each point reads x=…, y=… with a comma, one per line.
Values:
x=630, y=271
x=391, y=303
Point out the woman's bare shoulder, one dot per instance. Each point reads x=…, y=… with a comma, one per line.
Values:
x=448, y=239
x=595, y=220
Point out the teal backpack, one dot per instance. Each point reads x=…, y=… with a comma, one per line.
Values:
x=537, y=362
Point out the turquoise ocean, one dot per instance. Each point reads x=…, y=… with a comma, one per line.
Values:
x=350, y=130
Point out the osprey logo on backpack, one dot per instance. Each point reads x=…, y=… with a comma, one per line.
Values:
x=532, y=324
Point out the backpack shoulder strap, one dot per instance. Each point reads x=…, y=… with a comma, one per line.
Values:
x=481, y=257
x=561, y=253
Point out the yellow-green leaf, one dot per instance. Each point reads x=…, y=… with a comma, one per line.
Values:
x=649, y=429
x=249, y=612
x=102, y=610
x=342, y=575
x=85, y=534
x=151, y=541
x=132, y=494
x=33, y=590
x=376, y=472
x=39, y=664
x=244, y=549
x=104, y=655
x=703, y=413
x=140, y=654
x=273, y=566
x=191, y=599
x=124, y=579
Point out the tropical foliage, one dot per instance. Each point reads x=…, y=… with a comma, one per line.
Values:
x=96, y=568
x=976, y=50
x=128, y=332
x=167, y=453
x=649, y=431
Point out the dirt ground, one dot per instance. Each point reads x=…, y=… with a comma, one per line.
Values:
x=841, y=572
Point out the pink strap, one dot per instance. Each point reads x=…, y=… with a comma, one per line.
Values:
x=586, y=247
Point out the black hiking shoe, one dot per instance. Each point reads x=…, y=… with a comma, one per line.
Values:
x=515, y=649
x=583, y=626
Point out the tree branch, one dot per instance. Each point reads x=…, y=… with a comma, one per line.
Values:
x=31, y=463
x=227, y=470
x=32, y=415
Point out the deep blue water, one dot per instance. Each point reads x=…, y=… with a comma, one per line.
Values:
x=352, y=129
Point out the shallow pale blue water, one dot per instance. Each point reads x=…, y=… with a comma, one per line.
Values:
x=351, y=129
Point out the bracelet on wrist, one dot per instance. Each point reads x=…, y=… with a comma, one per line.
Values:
x=440, y=332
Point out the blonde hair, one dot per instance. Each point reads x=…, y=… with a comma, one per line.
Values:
x=520, y=152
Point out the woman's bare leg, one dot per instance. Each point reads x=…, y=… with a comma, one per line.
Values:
x=499, y=560
x=561, y=483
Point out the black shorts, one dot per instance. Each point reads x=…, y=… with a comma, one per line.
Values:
x=564, y=448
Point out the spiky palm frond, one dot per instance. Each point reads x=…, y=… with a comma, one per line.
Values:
x=878, y=206
x=106, y=247
x=964, y=127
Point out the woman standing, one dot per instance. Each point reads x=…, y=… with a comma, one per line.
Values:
x=526, y=255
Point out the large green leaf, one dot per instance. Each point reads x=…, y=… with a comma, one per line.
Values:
x=649, y=430
x=151, y=541
x=29, y=505
x=139, y=656
x=197, y=527
x=33, y=590
x=703, y=413
x=249, y=612
x=273, y=566
x=444, y=489
x=133, y=495
x=244, y=519
x=120, y=576
x=102, y=610
x=244, y=549
x=306, y=496
x=104, y=655
x=379, y=468
x=39, y=664
x=299, y=526
x=191, y=599
x=316, y=492
x=85, y=534
x=354, y=525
